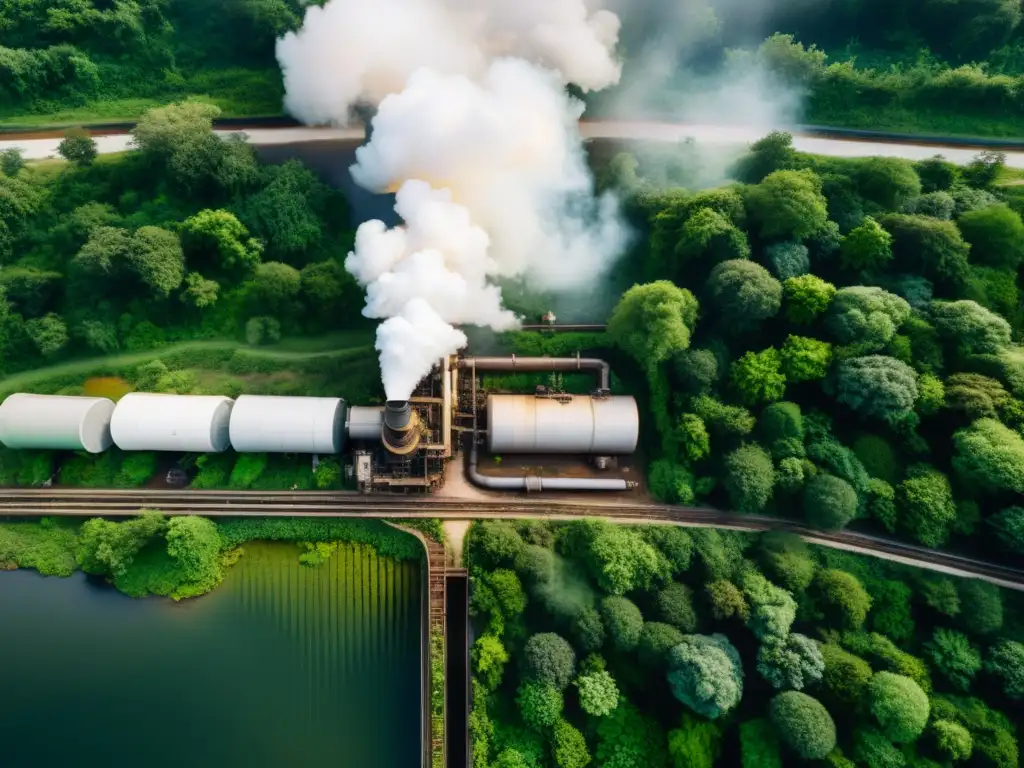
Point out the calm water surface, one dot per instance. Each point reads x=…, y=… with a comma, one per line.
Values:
x=282, y=666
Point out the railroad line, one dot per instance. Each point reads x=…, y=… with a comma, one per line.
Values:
x=81, y=502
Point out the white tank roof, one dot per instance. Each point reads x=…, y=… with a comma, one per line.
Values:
x=56, y=422
x=569, y=424
x=155, y=422
x=287, y=424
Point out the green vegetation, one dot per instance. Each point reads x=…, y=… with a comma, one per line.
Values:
x=874, y=381
x=663, y=647
x=939, y=68
x=181, y=557
x=63, y=63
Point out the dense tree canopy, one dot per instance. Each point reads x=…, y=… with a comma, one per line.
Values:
x=803, y=724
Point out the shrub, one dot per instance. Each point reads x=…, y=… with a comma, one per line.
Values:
x=829, y=502
x=952, y=654
x=706, y=674
x=540, y=704
x=675, y=607
x=749, y=477
x=548, y=658
x=623, y=621
x=803, y=724
x=899, y=705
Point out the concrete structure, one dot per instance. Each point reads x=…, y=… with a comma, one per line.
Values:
x=364, y=422
x=287, y=424
x=154, y=422
x=562, y=424
x=56, y=422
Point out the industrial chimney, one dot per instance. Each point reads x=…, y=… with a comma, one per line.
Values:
x=400, y=433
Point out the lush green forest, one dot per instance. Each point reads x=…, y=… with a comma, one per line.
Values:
x=664, y=647
x=833, y=340
x=183, y=557
x=917, y=65
x=78, y=60
x=913, y=65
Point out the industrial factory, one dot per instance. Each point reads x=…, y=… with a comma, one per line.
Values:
x=400, y=446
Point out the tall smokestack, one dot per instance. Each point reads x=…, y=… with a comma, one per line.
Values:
x=400, y=432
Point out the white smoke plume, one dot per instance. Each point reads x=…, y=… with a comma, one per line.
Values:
x=359, y=51
x=475, y=133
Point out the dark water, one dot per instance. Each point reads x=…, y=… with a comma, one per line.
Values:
x=283, y=665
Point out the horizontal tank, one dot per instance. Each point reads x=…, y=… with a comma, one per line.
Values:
x=56, y=422
x=364, y=422
x=287, y=424
x=187, y=423
x=565, y=424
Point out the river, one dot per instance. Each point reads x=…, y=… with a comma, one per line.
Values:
x=282, y=665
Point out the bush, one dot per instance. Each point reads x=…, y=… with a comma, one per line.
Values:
x=899, y=705
x=675, y=607
x=829, y=502
x=803, y=724
x=623, y=621
x=749, y=478
x=845, y=676
x=540, y=704
x=706, y=674
x=599, y=695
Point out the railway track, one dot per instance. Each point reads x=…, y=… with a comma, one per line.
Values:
x=82, y=502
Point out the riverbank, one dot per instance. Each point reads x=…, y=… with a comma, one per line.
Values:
x=185, y=557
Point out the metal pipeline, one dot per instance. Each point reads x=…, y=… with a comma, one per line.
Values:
x=513, y=363
x=536, y=483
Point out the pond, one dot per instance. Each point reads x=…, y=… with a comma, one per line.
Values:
x=282, y=665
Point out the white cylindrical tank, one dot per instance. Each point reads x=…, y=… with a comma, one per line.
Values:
x=144, y=421
x=287, y=424
x=56, y=422
x=576, y=424
x=364, y=422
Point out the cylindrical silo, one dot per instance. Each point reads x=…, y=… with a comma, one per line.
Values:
x=364, y=422
x=566, y=424
x=56, y=422
x=287, y=424
x=400, y=432
x=154, y=422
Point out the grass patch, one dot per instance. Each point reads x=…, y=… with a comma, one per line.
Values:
x=47, y=546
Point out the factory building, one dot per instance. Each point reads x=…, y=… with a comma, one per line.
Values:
x=287, y=424
x=403, y=445
x=152, y=422
x=56, y=422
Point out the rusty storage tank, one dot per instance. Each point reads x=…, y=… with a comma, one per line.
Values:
x=400, y=433
x=608, y=426
x=56, y=422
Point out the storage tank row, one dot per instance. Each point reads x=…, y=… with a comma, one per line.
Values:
x=180, y=423
x=259, y=424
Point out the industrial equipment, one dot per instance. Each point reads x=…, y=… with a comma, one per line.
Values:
x=401, y=446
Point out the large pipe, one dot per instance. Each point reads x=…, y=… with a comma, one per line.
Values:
x=536, y=483
x=513, y=363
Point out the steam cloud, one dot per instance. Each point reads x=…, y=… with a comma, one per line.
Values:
x=476, y=135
